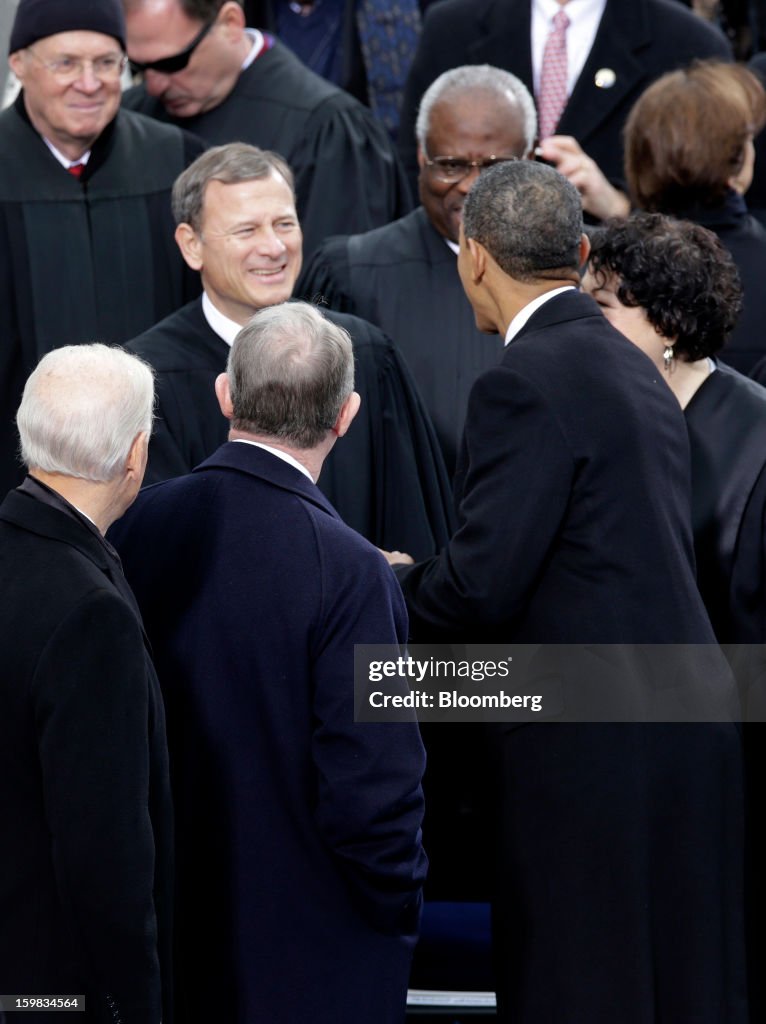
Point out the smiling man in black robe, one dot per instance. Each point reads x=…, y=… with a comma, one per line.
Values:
x=238, y=226
x=86, y=231
x=403, y=277
x=206, y=72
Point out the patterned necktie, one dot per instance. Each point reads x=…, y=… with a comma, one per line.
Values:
x=388, y=38
x=552, y=97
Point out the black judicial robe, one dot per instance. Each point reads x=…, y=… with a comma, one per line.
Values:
x=386, y=477
x=726, y=419
x=403, y=278
x=745, y=238
x=83, y=260
x=347, y=174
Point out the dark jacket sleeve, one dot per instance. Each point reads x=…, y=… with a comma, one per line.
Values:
x=518, y=473
x=348, y=178
x=325, y=278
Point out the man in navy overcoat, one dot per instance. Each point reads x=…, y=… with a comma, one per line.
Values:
x=298, y=831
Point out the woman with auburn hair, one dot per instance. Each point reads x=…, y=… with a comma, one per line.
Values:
x=689, y=153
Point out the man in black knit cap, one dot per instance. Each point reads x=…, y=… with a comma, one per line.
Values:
x=86, y=231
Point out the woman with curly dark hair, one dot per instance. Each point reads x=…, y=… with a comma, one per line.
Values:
x=689, y=153
x=672, y=288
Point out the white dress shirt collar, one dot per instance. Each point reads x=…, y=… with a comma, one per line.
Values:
x=64, y=160
x=584, y=19
x=225, y=328
x=524, y=314
x=279, y=454
x=255, y=49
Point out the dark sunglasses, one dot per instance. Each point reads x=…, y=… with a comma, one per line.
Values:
x=169, y=65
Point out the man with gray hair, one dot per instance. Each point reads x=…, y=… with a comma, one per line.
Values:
x=298, y=831
x=618, y=890
x=237, y=225
x=86, y=852
x=403, y=277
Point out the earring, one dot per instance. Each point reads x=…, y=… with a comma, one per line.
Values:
x=668, y=359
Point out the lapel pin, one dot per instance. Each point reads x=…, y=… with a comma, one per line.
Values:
x=605, y=78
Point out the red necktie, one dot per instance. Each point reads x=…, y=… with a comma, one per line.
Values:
x=76, y=170
x=552, y=97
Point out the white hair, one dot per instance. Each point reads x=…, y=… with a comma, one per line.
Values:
x=82, y=408
x=479, y=78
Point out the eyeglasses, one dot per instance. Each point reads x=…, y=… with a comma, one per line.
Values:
x=68, y=69
x=178, y=61
x=452, y=169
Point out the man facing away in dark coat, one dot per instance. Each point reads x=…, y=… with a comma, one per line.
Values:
x=237, y=225
x=618, y=886
x=298, y=831
x=86, y=230
x=205, y=71
x=85, y=858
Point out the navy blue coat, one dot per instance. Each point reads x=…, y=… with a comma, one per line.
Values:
x=298, y=831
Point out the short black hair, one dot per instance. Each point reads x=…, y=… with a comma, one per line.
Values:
x=528, y=217
x=678, y=272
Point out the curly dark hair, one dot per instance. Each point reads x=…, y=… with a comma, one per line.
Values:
x=678, y=272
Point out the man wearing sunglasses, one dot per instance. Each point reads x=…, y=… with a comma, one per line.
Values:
x=204, y=70
x=87, y=246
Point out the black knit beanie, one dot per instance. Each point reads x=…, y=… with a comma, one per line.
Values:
x=36, y=19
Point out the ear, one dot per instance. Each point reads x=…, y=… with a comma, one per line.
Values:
x=584, y=251
x=421, y=158
x=232, y=17
x=223, y=394
x=190, y=244
x=348, y=411
x=16, y=64
x=477, y=259
x=135, y=464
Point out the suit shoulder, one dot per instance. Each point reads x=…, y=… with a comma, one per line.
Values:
x=449, y=16
x=175, y=343
x=279, y=77
x=337, y=540
x=677, y=26
x=367, y=338
x=149, y=129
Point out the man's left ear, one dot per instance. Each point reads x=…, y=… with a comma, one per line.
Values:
x=348, y=411
x=223, y=394
x=135, y=464
x=232, y=17
x=584, y=252
x=477, y=259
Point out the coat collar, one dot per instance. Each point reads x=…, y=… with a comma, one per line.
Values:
x=24, y=511
x=43, y=520
x=252, y=461
x=563, y=308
